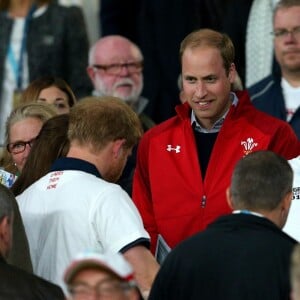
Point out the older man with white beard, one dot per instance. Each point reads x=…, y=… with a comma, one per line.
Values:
x=116, y=69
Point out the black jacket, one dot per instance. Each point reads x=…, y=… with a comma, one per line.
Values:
x=238, y=257
x=16, y=284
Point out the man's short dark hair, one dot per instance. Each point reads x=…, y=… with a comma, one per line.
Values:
x=210, y=38
x=260, y=181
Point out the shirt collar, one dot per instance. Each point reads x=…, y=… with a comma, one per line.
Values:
x=70, y=163
x=247, y=212
x=218, y=124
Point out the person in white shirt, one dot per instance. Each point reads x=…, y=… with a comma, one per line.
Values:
x=292, y=226
x=279, y=94
x=76, y=206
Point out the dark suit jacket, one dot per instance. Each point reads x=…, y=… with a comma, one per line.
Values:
x=57, y=45
x=16, y=284
x=239, y=256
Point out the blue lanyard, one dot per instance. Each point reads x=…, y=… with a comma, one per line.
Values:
x=18, y=66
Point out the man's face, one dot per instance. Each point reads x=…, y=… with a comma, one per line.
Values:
x=94, y=284
x=127, y=83
x=287, y=39
x=206, y=86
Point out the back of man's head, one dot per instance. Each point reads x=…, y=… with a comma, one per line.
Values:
x=260, y=181
x=96, y=121
x=6, y=219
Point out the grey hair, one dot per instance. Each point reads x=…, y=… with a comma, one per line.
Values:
x=260, y=181
x=40, y=111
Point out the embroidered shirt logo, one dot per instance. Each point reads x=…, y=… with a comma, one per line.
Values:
x=54, y=178
x=249, y=145
x=176, y=149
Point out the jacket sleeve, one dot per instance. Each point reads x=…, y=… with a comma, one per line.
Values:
x=76, y=52
x=142, y=191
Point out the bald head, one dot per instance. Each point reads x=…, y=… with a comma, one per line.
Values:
x=114, y=48
x=115, y=69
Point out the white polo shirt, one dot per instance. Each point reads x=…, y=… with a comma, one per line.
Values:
x=292, y=226
x=71, y=210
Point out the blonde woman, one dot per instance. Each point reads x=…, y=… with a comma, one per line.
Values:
x=22, y=127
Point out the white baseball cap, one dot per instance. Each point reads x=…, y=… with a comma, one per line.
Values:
x=113, y=263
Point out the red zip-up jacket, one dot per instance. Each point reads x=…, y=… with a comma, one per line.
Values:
x=168, y=188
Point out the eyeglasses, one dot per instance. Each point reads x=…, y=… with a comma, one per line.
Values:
x=283, y=33
x=107, y=288
x=19, y=147
x=115, y=69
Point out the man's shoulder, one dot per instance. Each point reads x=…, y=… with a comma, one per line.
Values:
x=63, y=181
x=240, y=226
x=59, y=13
x=264, y=88
x=178, y=121
x=256, y=117
x=28, y=285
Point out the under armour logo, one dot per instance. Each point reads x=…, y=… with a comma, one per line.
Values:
x=176, y=149
x=249, y=145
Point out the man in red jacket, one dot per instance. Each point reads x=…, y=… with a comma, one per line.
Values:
x=184, y=164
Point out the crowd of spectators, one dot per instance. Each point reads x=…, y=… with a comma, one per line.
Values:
x=149, y=149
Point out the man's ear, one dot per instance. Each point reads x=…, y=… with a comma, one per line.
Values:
x=232, y=73
x=118, y=147
x=229, y=198
x=287, y=201
x=90, y=71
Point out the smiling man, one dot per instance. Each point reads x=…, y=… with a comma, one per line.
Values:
x=184, y=164
x=279, y=94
